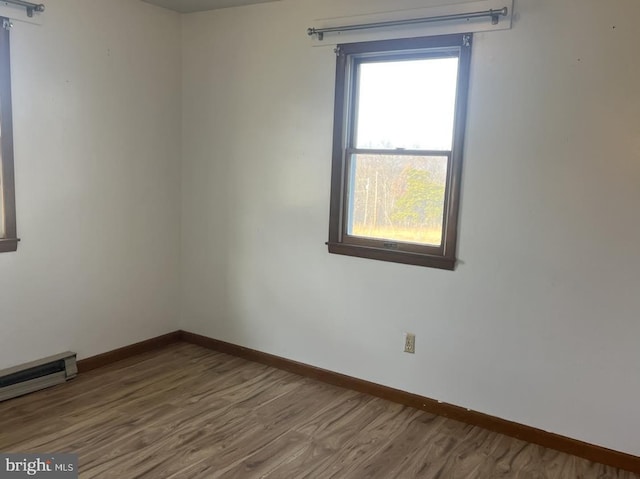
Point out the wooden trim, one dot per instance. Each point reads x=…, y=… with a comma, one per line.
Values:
x=8, y=245
x=530, y=434
x=438, y=41
x=10, y=237
x=454, y=180
x=381, y=254
x=337, y=158
x=110, y=357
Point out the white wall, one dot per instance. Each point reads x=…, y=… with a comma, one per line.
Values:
x=539, y=323
x=96, y=93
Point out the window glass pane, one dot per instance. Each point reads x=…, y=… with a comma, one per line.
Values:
x=407, y=104
x=398, y=198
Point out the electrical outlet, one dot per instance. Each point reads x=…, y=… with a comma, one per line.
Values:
x=409, y=343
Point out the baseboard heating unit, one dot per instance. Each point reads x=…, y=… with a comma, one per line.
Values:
x=36, y=375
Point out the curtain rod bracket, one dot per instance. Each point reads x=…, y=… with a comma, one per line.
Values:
x=312, y=31
x=35, y=8
x=495, y=15
x=29, y=7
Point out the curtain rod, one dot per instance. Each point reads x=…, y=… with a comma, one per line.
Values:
x=31, y=7
x=494, y=14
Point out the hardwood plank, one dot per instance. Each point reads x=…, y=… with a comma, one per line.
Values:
x=188, y=412
x=109, y=357
x=265, y=461
x=502, y=426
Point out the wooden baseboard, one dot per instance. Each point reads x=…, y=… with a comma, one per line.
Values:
x=550, y=440
x=585, y=450
x=109, y=357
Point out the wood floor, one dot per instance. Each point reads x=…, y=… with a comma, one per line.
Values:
x=188, y=412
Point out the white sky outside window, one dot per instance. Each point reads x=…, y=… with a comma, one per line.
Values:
x=407, y=104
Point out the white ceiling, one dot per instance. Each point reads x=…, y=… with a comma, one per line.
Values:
x=188, y=6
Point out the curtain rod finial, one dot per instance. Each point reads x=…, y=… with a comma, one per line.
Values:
x=312, y=31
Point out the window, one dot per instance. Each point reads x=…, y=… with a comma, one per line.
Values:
x=8, y=235
x=400, y=110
